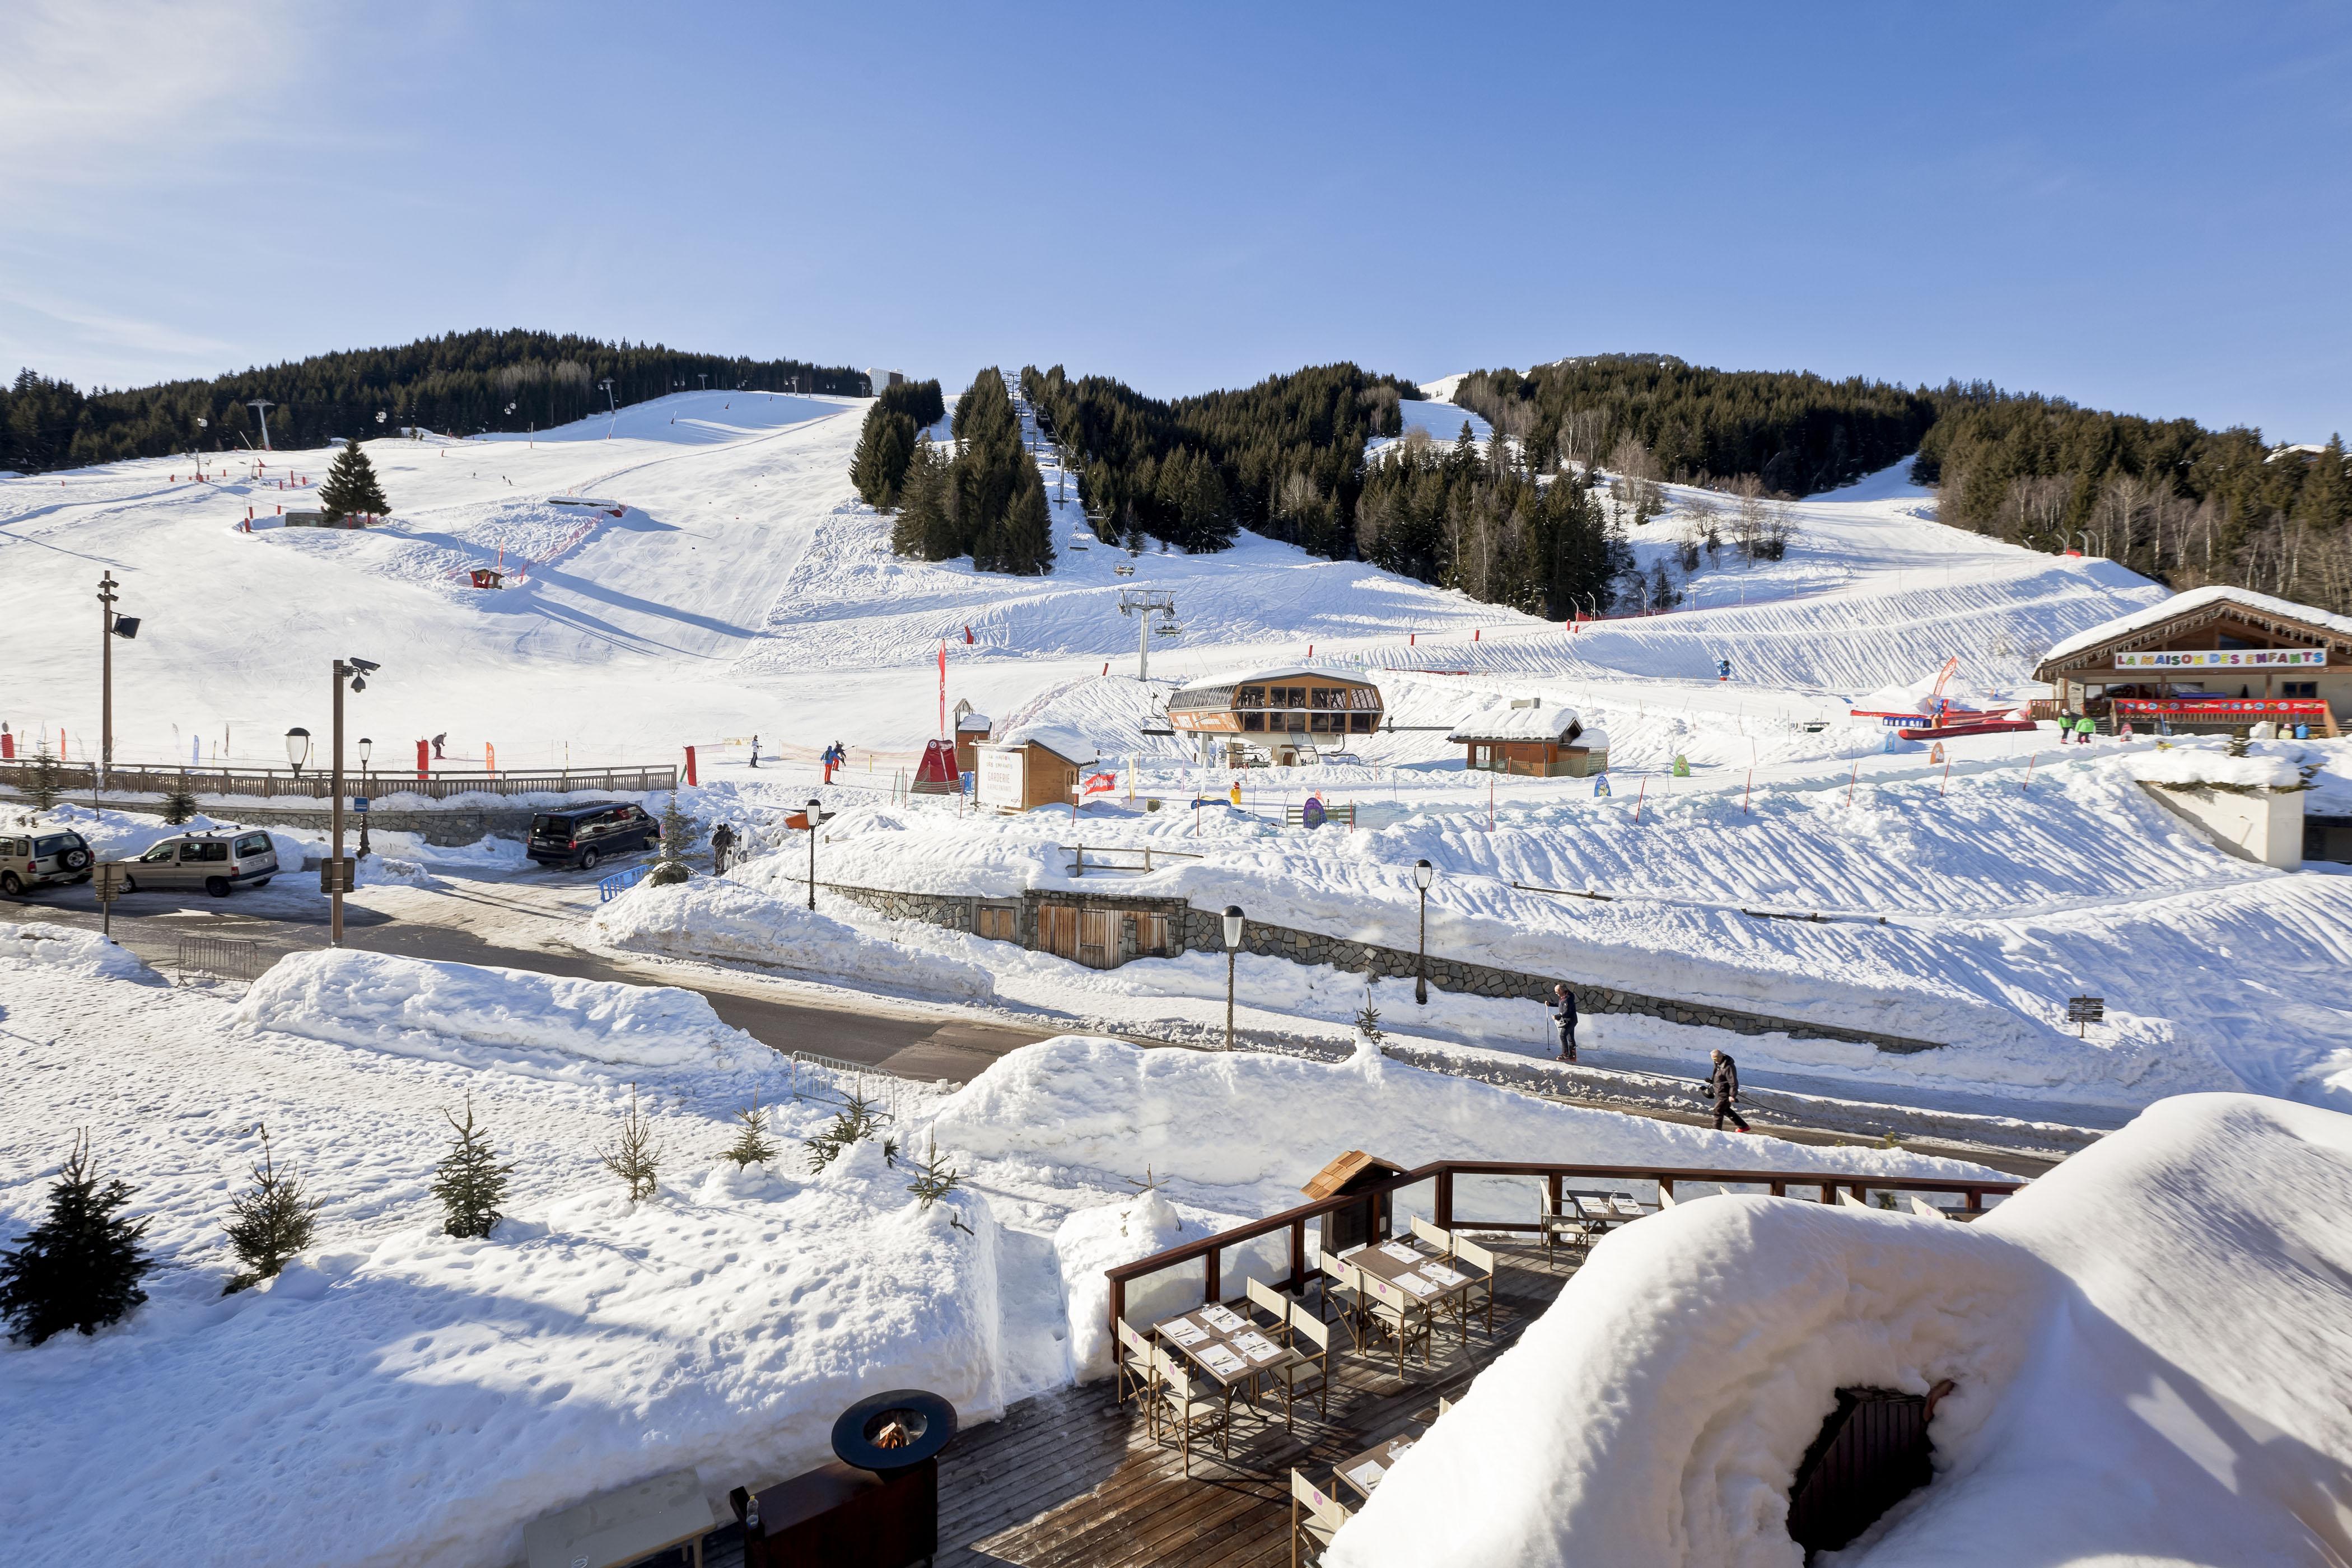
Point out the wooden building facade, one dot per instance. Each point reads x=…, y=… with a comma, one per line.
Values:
x=2213, y=659
x=1283, y=710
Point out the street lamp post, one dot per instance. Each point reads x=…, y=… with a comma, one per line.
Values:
x=354, y=670
x=1233, y=948
x=815, y=810
x=298, y=749
x=367, y=748
x=1423, y=873
x=110, y=625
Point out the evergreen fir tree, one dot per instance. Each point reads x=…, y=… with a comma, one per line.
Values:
x=856, y=1122
x=635, y=1156
x=751, y=1146
x=469, y=1181
x=669, y=867
x=274, y=1221
x=79, y=1268
x=935, y=1179
x=180, y=803
x=1368, y=1022
x=42, y=786
x=351, y=487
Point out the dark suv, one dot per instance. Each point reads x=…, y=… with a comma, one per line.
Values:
x=583, y=836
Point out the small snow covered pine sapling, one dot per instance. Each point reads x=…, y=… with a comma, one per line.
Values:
x=751, y=1146
x=935, y=1179
x=79, y=1268
x=180, y=805
x=670, y=867
x=469, y=1181
x=854, y=1122
x=635, y=1156
x=273, y=1222
x=1368, y=1023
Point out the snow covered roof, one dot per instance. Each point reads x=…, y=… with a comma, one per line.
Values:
x=978, y=721
x=1059, y=738
x=2197, y=599
x=1518, y=718
x=1279, y=672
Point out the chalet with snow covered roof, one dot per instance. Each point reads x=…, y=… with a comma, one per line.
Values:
x=970, y=729
x=1283, y=708
x=1530, y=736
x=2211, y=658
x=1037, y=764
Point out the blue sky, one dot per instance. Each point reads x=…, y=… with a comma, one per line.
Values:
x=2141, y=207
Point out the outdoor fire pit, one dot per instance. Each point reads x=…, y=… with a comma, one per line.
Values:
x=877, y=1506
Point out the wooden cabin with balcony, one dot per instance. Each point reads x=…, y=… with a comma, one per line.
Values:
x=1287, y=710
x=2214, y=659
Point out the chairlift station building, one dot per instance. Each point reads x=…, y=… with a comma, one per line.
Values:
x=1286, y=706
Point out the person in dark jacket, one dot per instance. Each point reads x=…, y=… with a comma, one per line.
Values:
x=1723, y=1082
x=1563, y=1002
x=722, y=839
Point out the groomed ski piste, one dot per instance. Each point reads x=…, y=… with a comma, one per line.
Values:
x=431, y=1395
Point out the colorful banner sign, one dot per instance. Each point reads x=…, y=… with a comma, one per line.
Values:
x=2225, y=658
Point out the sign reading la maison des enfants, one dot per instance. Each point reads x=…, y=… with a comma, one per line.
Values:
x=2225, y=658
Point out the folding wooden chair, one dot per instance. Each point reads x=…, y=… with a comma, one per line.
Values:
x=1312, y=1374
x=1315, y=1516
x=1189, y=1412
x=1403, y=1318
x=1443, y=1240
x=1135, y=1369
x=1466, y=1251
x=1345, y=1287
x=1273, y=1302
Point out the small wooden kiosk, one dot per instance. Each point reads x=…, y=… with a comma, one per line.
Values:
x=1037, y=765
x=970, y=729
x=1358, y=1223
x=1530, y=736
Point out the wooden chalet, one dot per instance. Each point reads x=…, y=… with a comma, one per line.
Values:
x=2212, y=658
x=1530, y=736
x=970, y=729
x=1038, y=765
x=1286, y=710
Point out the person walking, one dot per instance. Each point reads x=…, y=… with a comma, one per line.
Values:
x=2085, y=727
x=755, y=751
x=1723, y=1082
x=722, y=839
x=1563, y=1004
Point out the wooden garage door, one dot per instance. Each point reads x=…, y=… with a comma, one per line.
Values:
x=1057, y=928
x=1098, y=938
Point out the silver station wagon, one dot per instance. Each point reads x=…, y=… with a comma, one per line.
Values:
x=37, y=859
x=216, y=862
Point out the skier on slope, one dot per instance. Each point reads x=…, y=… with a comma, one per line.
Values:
x=438, y=742
x=1563, y=1006
x=755, y=751
x=1724, y=1084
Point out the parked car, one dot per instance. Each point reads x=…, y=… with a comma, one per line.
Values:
x=582, y=835
x=39, y=859
x=216, y=862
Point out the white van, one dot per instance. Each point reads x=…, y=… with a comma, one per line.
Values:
x=216, y=862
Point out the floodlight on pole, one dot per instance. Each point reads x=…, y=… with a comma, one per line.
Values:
x=262, y=406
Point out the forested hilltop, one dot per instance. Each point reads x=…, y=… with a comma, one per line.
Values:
x=465, y=382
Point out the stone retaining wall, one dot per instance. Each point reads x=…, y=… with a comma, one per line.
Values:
x=1190, y=928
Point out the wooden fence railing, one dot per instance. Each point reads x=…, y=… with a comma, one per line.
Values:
x=313, y=784
x=1210, y=1249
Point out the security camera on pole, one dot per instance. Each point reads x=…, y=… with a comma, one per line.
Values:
x=336, y=876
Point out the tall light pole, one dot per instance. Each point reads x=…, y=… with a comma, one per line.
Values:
x=109, y=627
x=1233, y=948
x=337, y=872
x=1423, y=873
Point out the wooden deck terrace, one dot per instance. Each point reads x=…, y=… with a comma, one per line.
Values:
x=1065, y=1480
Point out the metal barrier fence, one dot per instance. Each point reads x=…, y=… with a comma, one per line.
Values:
x=316, y=785
x=619, y=883
x=225, y=957
x=818, y=1078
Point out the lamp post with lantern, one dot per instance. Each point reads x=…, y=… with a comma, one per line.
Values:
x=1233, y=923
x=337, y=872
x=367, y=749
x=1423, y=873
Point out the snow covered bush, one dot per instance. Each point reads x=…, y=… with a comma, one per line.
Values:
x=79, y=1269
x=469, y=1183
x=274, y=1221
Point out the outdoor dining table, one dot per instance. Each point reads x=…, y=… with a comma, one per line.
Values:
x=1429, y=1279
x=1368, y=1469
x=1226, y=1345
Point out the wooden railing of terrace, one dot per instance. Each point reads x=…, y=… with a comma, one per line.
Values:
x=313, y=784
x=1442, y=1173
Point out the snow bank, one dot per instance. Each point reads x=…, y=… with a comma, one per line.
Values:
x=424, y=1397
x=64, y=950
x=1248, y=1119
x=2186, y=766
x=1657, y=1412
x=482, y=1016
x=746, y=917
x=1093, y=1239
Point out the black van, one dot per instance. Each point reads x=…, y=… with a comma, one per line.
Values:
x=583, y=836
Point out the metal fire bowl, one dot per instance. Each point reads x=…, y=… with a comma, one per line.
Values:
x=932, y=1421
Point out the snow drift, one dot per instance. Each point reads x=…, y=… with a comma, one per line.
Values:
x=485, y=1015
x=744, y=917
x=64, y=949
x=1658, y=1411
